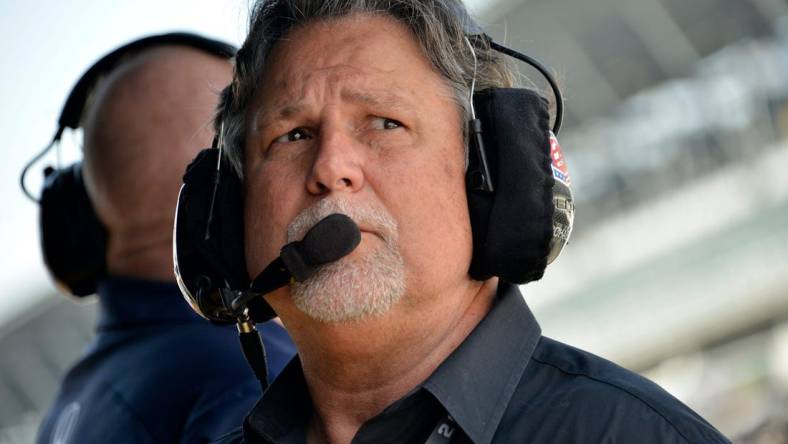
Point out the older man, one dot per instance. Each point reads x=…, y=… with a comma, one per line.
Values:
x=358, y=107
x=156, y=372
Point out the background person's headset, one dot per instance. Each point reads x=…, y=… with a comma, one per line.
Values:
x=519, y=199
x=73, y=239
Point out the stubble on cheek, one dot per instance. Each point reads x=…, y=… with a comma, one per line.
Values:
x=264, y=224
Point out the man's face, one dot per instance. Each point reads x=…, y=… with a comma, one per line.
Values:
x=350, y=111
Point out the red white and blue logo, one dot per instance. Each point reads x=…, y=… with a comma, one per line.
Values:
x=560, y=171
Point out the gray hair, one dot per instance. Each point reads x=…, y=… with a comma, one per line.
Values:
x=438, y=26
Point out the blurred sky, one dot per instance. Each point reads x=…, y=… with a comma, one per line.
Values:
x=45, y=47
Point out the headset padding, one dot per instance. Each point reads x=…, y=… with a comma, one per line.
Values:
x=512, y=227
x=219, y=256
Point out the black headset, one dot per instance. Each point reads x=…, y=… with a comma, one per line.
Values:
x=73, y=239
x=519, y=198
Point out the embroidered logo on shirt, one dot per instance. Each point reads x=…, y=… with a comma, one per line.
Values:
x=66, y=424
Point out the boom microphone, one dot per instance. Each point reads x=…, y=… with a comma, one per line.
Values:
x=331, y=239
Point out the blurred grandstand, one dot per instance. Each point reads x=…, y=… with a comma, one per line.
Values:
x=677, y=139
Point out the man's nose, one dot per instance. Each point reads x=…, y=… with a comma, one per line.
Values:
x=337, y=165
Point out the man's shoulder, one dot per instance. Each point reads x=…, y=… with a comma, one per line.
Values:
x=178, y=376
x=571, y=392
x=177, y=356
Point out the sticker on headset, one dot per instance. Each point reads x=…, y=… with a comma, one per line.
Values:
x=560, y=171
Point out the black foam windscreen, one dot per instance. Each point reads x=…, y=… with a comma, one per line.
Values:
x=334, y=237
x=513, y=227
x=73, y=239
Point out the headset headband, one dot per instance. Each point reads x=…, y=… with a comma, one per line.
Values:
x=472, y=29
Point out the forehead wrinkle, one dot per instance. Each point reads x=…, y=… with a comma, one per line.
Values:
x=336, y=79
x=284, y=111
x=296, y=93
x=375, y=98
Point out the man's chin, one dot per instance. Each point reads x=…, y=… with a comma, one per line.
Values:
x=357, y=287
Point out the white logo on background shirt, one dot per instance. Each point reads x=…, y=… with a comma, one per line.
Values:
x=66, y=424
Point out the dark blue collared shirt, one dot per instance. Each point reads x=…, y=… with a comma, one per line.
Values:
x=505, y=383
x=157, y=373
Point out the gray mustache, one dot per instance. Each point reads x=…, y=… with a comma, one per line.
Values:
x=368, y=217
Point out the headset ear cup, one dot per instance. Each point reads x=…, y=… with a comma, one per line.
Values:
x=209, y=243
x=197, y=264
x=73, y=239
x=513, y=227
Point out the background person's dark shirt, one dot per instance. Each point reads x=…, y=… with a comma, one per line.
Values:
x=505, y=384
x=157, y=373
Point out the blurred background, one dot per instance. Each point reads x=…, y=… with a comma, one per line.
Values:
x=676, y=135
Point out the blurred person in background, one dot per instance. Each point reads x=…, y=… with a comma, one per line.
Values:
x=360, y=107
x=156, y=372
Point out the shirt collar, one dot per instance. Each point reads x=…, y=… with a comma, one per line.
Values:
x=474, y=384
x=284, y=411
x=477, y=381
x=126, y=302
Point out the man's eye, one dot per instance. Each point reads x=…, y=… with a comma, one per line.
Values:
x=293, y=136
x=385, y=124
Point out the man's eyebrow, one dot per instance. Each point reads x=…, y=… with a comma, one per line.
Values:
x=374, y=98
x=282, y=112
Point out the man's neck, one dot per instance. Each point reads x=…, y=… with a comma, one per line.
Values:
x=355, y=370
x=150, y=259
